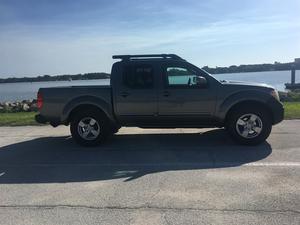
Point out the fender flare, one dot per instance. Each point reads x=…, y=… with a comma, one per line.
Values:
x=88, y=100
x=239, y=97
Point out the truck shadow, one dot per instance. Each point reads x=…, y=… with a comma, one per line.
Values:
x=127, y=156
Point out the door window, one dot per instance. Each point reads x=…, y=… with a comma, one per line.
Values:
x=138, y=76
x=180, y=76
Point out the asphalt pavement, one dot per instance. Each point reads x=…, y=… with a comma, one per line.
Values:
x=148, y=176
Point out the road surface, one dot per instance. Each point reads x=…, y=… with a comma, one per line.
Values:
x=174, y=176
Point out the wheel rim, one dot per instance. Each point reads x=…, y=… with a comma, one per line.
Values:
x=249, y=125
x=88, y=128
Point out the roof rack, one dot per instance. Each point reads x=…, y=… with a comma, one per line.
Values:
x=164, y=56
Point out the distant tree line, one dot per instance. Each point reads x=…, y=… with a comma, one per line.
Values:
x=277, y=66
x=253, y=68
x=86, y=76
x=177, y=72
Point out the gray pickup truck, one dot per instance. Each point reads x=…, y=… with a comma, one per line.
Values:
x=161, y=91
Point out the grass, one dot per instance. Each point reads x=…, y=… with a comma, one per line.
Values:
x=292, y=111
x=17, y=119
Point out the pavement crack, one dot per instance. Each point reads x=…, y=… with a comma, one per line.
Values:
x=147, y=208
x=151, y=199
x=165, y=219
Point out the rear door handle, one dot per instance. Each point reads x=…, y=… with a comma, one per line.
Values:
x=124, y=94
x=166, y=93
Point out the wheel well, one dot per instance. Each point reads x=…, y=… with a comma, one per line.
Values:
x=85, y=107
x=251, y=103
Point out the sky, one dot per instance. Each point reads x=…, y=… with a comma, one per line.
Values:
x=39, y=37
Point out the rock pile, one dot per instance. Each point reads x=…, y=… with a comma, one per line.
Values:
x=19, y=106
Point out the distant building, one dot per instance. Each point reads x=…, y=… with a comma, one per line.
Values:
x=297, y=60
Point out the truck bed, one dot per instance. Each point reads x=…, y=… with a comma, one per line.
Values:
x=57, y=99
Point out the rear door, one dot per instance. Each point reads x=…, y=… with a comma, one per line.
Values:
x=136, y=95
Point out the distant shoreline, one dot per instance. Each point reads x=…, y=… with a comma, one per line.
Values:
x=218, y=70
x=45, y=78
x=253, y=68
x=36, y=81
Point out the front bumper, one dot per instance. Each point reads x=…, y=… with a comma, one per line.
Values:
x=277, y=110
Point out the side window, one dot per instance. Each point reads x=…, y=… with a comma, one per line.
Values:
x=138, y=76
x=180, y=76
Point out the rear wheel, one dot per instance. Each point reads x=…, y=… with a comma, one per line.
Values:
x=249, y=125
x=89, y=128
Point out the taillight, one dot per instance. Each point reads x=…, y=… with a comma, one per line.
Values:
x=39, y=100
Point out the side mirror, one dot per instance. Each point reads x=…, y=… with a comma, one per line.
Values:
x=200, y=81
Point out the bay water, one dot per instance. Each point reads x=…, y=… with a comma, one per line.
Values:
x=28, y=90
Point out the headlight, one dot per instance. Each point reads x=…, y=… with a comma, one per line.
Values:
x=275, y=94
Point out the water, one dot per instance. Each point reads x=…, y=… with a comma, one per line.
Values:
x=28, y=90
x=276, y=79
x=21, y=91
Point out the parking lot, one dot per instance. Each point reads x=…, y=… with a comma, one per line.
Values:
x=173, y=176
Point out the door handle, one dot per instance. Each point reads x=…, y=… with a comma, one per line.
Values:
x=166, y=94
x=124, y=94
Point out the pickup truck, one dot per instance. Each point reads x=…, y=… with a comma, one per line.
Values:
x=161, y=91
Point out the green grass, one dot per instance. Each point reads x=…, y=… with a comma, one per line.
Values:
x=292, y=111
x=17, y=119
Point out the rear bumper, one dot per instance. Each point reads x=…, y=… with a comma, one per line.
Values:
x=277, y=110
x=40, y=119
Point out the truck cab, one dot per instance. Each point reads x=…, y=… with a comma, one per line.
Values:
x=164, y=92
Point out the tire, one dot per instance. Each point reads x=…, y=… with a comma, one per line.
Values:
x=249, y=125
x=89, y=128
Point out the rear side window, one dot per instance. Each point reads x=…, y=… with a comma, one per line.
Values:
x=138, y=76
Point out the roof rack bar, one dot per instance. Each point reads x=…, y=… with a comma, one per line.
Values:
x=127, y=57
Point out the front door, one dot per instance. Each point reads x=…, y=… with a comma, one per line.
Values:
x=181, y=99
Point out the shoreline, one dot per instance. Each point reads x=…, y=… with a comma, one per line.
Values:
x=44, y=81
x=19, y=106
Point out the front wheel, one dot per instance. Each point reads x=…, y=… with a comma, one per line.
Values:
x=249, y=126
x=89, y=128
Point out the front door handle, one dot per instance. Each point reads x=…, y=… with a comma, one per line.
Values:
x=166, y=94
x=124, y=94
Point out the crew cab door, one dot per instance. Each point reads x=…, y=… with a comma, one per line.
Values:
x=187, y=95
x=135, y=96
